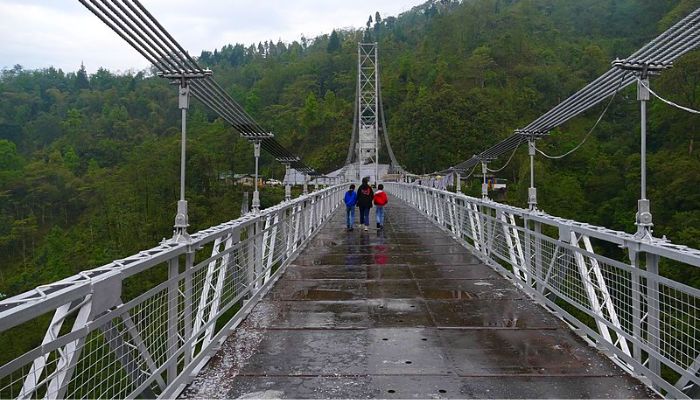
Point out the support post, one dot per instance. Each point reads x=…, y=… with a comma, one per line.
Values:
x=376, y=121
x=643, y=70
x=181, y=78
x=173, y=308
x=306, y=184
x=181, y=218
x=458, y=182
x=636, y=292
x=653, y=314
x=257, y=139
x=532, y=190
x=287, y=186
x=484, y=185
x=188, y=300
x=643, y=217
x=359, y=164
x=256, y=193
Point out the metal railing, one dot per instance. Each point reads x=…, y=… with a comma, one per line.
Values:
x=605, y=284
x=144, y=325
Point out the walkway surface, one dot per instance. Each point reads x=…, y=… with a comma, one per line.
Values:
x=403, y=313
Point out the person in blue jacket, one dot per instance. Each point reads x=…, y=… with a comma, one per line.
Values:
x=350, y=203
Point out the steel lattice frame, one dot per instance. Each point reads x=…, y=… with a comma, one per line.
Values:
x=149, y=345
x=368, y=106
x=368, y=59
x=643, y=320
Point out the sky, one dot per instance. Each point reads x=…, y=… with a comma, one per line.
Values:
x=63, y=33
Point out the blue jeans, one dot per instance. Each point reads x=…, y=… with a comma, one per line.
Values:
x=380, y=215
x=364, y=216
x=350, y=212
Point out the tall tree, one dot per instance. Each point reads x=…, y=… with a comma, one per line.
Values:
x=81, y=78
x=333, y=42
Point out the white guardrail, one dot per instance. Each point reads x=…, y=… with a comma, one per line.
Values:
x=618, y=302
x=104, y=341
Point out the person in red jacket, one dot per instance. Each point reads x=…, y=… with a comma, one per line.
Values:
x=380, y=201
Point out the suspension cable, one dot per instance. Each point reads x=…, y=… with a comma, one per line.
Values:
x=669, y=102
x=136, y=25
x=470, y=172
x=600, y=117
x=507, y=162
x=679, y=39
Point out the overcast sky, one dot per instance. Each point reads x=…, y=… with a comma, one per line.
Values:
x=62, y=33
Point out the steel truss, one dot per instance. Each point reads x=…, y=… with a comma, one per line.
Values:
x=369, y=117
x=368, y=109
x=642, y=320
x=150, y=344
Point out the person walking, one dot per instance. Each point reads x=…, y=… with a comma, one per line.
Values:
x=350, y=204
x=380, y=201
x=365, y=195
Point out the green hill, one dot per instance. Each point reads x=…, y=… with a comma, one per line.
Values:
x=89, y=163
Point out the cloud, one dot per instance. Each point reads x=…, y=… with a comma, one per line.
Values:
x=43, y=33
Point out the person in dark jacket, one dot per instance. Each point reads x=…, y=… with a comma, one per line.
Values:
x=380, y=201
x=350, y=204
x=365, y=195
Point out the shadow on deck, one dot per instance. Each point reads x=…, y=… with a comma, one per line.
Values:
x=403, y=313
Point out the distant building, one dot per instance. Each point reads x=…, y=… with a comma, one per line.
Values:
x=226, y=177
x=247, y=180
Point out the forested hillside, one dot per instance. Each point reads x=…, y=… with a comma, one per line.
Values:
x=89, y=162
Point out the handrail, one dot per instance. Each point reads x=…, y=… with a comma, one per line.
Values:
x=99, y=343
x=618, y=301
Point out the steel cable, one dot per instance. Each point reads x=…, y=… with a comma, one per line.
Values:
x=134, y=24
x=507, y=162
x=669, y=102
x=600, y=117
x=679, y=39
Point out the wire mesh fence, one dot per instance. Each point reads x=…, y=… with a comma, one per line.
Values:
x=647, y=323
x=100, y=343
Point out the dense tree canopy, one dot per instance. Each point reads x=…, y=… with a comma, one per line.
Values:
x=89, y=162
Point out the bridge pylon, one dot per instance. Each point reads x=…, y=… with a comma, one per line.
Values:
x=368, y=120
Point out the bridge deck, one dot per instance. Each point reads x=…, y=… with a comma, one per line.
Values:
x=402, y=313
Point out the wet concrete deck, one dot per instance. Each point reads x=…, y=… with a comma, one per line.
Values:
x=403, y=313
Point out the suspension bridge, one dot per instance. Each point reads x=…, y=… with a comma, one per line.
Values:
x=457, y=297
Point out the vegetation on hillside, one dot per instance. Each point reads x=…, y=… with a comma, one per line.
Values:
x=89, y=162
